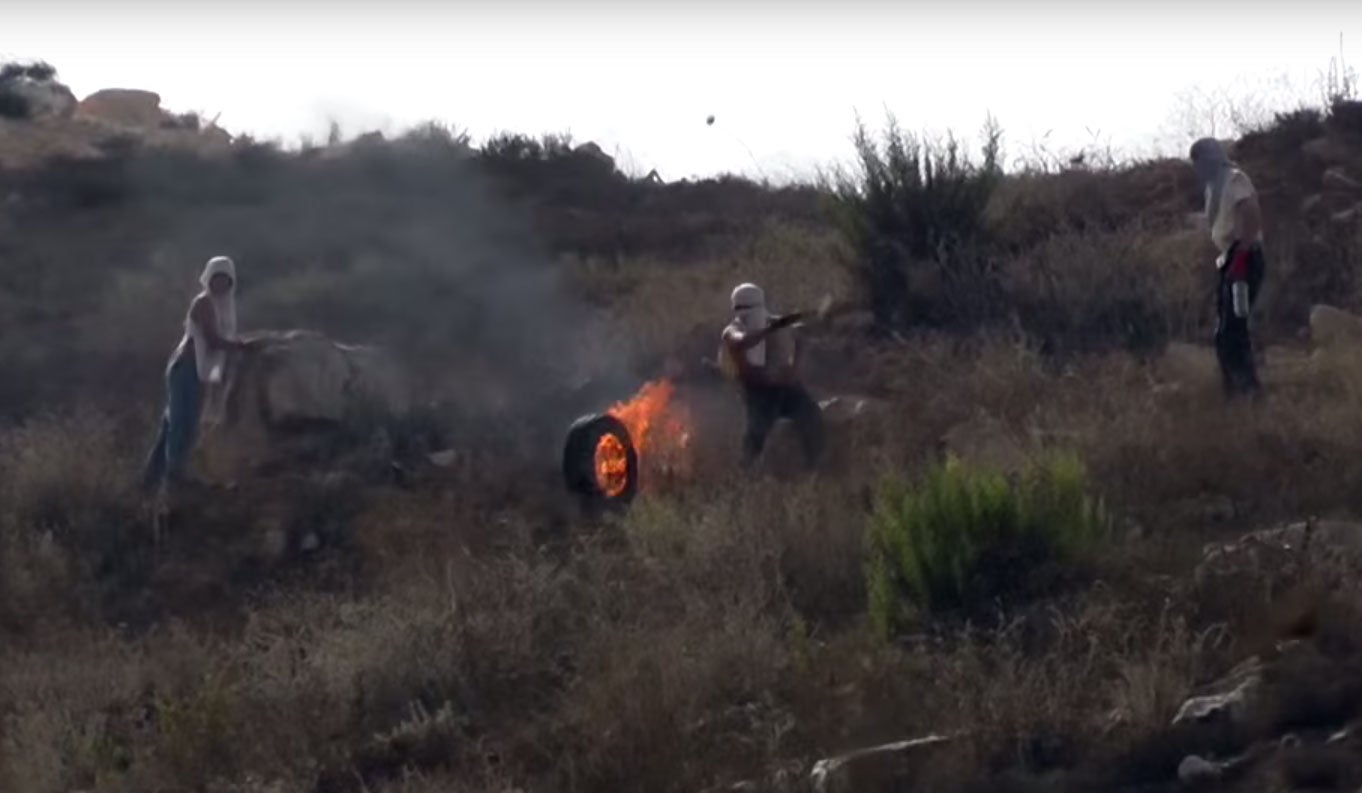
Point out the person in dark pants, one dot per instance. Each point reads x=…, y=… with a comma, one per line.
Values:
x=1236, y=226
x=761, y=352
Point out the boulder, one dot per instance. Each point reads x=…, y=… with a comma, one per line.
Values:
x=124, y=107
x=292, y=384
x=594, y=152
x=1332, y=327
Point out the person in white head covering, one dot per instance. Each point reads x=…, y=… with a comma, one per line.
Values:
x=200, y=358
x=759, y=351
x=1236, y=226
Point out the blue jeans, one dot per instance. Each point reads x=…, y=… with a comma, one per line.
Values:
x=179, y=424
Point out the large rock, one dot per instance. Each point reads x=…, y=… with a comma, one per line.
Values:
x=123, y=106
x=294, y=384
x=1333, y=328
x=594, y=152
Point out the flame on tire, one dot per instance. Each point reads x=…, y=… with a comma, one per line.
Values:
x=660, y=428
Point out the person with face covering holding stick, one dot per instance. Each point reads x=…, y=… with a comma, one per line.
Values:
x=761, y=353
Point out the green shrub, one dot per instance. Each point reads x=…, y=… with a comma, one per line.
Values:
x=965, y=536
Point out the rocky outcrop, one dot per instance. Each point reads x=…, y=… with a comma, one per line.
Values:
x=123, y=106
x=1282, y=550
x=1291, y=710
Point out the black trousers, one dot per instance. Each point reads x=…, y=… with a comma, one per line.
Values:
x=1233, y=344
x=768, y=403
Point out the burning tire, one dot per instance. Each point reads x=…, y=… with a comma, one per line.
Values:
x=600, y=463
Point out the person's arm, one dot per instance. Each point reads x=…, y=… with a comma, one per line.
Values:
x=205, y=316
x=1248, y=220
x=1248, y=224
x=747, y=339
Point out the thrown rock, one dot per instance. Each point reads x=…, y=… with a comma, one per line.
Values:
x=885, y=767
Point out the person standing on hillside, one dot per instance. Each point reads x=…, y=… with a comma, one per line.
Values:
x=761, y=352
x=199, y=359
x=1236, y=226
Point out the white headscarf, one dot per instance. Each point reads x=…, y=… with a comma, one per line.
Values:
x=224, y=305
x=1213, y=169
x=211, y=363
x=749, y=313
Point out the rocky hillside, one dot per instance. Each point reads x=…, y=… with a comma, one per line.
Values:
x=398, y=595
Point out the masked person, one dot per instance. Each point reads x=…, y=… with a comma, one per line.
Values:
x=761, y=352
x=1236, y=226
x=199, y=359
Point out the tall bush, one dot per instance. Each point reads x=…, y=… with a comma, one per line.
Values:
x=914, y=210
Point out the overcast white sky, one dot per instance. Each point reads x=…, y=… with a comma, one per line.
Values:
x=783, y=79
